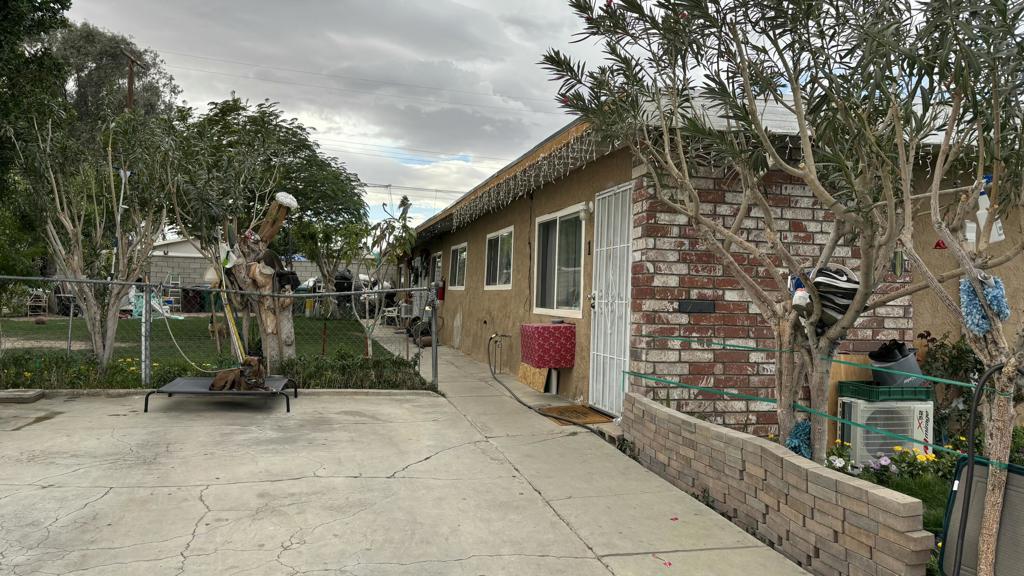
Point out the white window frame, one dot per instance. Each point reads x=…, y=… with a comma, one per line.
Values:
x=454, y=260
x=561, y=313
x=487, y=256
x=440, y=267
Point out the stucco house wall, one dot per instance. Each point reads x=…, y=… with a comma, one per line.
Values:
x=469, y=316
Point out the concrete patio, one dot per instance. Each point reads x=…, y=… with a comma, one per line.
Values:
x=347, y=484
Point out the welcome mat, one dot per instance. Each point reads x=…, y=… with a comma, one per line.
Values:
x=576, y=413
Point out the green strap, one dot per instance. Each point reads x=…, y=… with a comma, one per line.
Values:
x=701, y=388
x=801, y=408
x=710, y=342
x=723, y=344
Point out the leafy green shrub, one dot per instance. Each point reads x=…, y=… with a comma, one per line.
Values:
x=346, y=370
x=58, y=370
x=932, y=490
x=953, y=360
x=1017, y=448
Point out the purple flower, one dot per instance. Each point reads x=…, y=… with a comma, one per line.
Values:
x=874, y=464
x=884, y=461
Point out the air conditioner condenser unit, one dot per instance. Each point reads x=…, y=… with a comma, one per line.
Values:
x=910, y=419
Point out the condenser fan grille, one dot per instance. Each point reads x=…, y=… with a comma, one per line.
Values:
x=896, y=420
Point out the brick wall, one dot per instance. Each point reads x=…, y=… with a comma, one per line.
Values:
x=670, y=264
x=829, y=523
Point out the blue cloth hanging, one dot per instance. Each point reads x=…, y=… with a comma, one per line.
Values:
x=974, y=314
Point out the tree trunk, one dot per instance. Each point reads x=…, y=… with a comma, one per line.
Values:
x=998, y=438
x=110, y=331
x=819, y=381
x=786, y=385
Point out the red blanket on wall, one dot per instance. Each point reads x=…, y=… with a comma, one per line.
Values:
x=548, y=345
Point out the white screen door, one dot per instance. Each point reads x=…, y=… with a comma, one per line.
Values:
x=609, y=324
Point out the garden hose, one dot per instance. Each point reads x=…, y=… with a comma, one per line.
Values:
x=494, y=374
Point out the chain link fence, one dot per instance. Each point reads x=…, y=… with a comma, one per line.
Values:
x=356, y=339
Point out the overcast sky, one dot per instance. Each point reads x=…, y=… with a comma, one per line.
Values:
x=432, y=94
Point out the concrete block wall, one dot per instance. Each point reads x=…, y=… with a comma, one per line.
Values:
x=670, y=265
x=829, y=523
x=192, y=270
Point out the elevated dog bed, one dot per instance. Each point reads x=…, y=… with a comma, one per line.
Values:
x=200, y=386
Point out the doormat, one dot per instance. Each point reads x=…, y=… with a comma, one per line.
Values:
x=576, y=413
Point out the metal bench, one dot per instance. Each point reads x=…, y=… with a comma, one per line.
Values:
x=200, y=386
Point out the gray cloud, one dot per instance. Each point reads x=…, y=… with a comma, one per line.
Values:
x=378, y=66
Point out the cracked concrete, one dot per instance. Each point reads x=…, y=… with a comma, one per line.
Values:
x=397, y=485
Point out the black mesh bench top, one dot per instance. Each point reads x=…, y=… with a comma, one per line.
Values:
x=200, y=386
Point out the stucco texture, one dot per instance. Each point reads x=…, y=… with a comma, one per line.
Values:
x=929, y=313
x=469, y=316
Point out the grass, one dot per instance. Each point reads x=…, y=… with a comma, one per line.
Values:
x=933, y=492
x=330, y=354
x=312, y=337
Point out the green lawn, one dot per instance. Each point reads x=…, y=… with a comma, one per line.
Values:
x=330, y=354
x=312, y=337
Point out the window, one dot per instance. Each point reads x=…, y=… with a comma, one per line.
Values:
x=499, y=260
x=558, y=278
x=435, y=268
x=457, y=267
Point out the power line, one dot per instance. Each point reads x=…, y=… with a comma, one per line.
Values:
x=414, y=188
x=357, y=78
x=397, y=156
x=371, y=92
x=388, y=147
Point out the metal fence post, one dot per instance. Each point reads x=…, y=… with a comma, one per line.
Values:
x=434, y=340
x=147, y=332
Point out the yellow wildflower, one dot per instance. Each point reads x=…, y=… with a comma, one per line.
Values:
x=962, y=439
x=931, y=457
x=917, y=450
x=846, y=444
x=948, y=446
x=27, y=374
x=897, y=448
x=838, y=441
x=921, y=458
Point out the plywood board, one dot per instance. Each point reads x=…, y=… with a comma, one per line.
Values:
x=535, y=378
x=843, y=372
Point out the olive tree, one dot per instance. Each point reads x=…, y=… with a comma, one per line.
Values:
x=93, y=169
x=103, y=209
x=896, y=107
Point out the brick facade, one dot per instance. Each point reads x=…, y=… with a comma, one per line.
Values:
x=670, y=265
x=829, y=523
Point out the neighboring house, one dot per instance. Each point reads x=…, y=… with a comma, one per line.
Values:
x=177, y=260
x=569, y=232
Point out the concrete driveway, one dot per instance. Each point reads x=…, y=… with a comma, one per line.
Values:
x=393, y=484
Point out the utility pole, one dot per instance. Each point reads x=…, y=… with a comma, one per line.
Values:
x=132, y=62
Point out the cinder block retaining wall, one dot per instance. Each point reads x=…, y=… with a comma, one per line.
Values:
x=827, y=522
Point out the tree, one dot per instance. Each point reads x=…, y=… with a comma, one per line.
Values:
x=332, y=226
x=29, y=75
x=389, y=241
x=96, y=170
x=234, y=159
x=101, y=219
x=898, y=106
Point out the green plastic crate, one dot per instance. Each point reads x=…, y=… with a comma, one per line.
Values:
x=874, y=393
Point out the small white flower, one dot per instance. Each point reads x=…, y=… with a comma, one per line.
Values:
x=840, y=462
